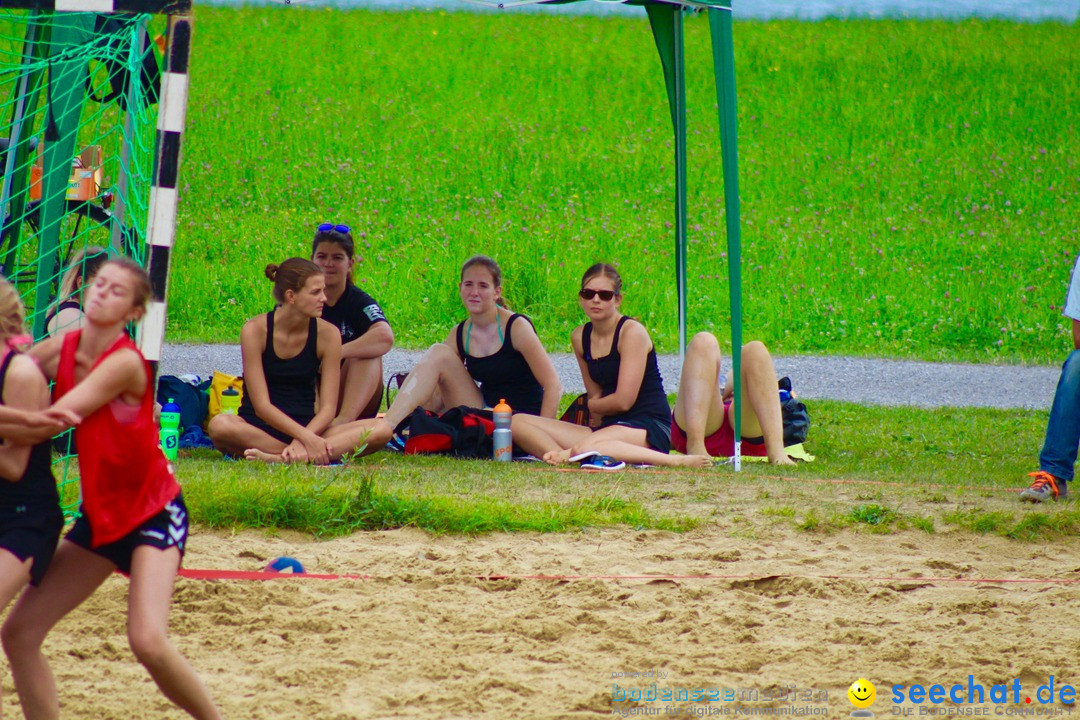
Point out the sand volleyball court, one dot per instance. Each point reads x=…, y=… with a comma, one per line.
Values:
x=424, y=636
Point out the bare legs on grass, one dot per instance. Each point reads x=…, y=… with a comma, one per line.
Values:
x=699, y=409
x=343, y=439
x=361, y=390
x=556, y=442
x=439, y=381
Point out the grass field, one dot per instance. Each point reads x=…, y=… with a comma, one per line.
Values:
x=880, y=469
x=909, y=188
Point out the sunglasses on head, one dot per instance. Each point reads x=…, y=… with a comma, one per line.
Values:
x=589, y=294
x=327, y=227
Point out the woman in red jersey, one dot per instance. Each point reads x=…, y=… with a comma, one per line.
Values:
x=133, y=515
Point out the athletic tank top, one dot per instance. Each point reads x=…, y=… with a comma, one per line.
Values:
x=66, y=305
x=504, y=374
x=124, y=475
x=651, y=400
x=290, y=383
x=36, y=489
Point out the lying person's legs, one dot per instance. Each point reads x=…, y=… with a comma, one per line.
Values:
x=761, y=415
x=699, y=408
x=439, y=371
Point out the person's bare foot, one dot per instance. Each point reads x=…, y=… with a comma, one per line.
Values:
x=782, y=460
x=696, y=449
x=692, y=461
x=557, y=457
x=256, y=454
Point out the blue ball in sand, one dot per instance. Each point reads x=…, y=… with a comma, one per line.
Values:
x=285, y=564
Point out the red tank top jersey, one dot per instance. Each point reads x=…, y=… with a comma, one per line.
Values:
x=125, y=477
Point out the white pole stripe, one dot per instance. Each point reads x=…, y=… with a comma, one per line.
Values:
x=162, y=229
x=151, y=332
x=174, y=98
x=84, y=5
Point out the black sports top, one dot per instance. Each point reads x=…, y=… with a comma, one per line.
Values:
x=67, y=304
x=36, y=489
x=354, y=314
x=290, y=382
x=651, y=401
x=504, y=374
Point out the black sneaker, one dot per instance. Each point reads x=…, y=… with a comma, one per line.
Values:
x=1044, y=487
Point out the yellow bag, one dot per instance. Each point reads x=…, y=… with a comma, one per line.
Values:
x=218, y=385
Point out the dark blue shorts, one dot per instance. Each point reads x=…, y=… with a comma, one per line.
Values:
x=169, y=528
x=34, y=536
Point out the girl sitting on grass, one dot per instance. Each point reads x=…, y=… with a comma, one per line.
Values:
x=133, y=515
x=365, y=332
x=495, y=354
x=626, y=398
x=286, y=353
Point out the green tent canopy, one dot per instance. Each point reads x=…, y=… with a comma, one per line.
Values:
x=666, y=20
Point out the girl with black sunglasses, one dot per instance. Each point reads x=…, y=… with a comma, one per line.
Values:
x=630, y=417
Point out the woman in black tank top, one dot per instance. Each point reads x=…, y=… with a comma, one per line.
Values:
x=493, y=355
x=30, y=517
x=288, y=354
x=626, y=399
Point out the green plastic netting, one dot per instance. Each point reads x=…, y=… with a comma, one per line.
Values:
x=77, y=135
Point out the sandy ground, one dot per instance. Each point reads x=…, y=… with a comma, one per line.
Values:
x=425, y=637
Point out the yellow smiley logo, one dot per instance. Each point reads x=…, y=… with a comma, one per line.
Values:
x=862, y=693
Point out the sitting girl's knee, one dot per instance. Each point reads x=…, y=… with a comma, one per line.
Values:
x=704, y=341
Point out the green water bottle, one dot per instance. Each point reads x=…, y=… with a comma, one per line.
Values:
x=170, y=429
x=230, y=401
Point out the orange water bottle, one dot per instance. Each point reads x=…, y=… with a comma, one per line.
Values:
x=504, y=445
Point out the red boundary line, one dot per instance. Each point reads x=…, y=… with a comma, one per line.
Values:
x=269, y=575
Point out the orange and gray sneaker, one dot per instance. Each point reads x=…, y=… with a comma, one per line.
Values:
x=1044, y=487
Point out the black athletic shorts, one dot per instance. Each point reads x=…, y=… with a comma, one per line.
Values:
x=169, y=528
x=33, y=537
x=657, y=432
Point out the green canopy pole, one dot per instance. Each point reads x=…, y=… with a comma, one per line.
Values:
x=667, y=27
x=724, y=65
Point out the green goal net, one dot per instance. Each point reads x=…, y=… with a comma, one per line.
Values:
x=77, y=146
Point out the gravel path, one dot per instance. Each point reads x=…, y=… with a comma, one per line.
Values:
x=860, y=380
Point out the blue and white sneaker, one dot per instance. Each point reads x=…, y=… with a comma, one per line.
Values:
x=602, y=462
x=395, y=444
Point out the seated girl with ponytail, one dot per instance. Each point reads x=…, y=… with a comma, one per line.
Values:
x=287, y=354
